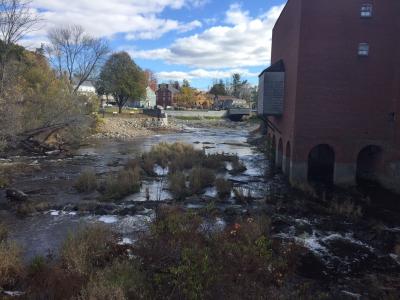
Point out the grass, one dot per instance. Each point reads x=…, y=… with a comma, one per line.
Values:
x=224, y=187
x=199, y=179
x=11, y=263
x=86, y=182
x=177, y=185
x=190, y=170
x=120, y=185
x=90, y=248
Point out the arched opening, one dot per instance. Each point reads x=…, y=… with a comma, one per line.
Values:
x=288, y=159
x=369, y=162
x=279, y=161
x=321, y=165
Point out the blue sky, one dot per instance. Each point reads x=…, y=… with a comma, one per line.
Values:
x=198, y=40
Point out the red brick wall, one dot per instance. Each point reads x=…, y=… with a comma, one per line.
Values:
x=164, y=93
x=285, y=45
x=332, y=95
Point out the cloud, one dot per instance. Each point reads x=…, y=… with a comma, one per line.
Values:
x=203, y=74
x=137, y=19
x=245, y=43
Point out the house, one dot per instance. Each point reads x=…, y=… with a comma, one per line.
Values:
x=331, y=98
x=148, y=100
x=227, y=102
x=165, y=95
x=87, y=88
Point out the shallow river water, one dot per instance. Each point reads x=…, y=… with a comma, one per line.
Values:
x=339, y=247
x=52, y=181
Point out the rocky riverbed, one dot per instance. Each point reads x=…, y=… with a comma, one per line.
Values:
x=351, y=239
x=128, y=128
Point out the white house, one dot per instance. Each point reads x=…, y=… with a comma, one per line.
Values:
x=87, y=87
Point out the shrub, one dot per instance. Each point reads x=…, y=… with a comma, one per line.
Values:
x=11, y=264
x=224, y=187
x=199, y=179
x=177, y=185
x=164, y=153
x=88, y=249
x=86, y=182
x=145, y=165
x=122, y=280
x=185, y=262
x=124, y=183
x=214, y=162
x=101, y=289
x=54, y=282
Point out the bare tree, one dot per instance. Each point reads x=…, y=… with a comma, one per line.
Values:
x=16, y=20
x=76, y=54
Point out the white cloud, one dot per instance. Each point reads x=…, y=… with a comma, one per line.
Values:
x=203, y=74
x=236, y=16
x=137, y=19
x=247, y=42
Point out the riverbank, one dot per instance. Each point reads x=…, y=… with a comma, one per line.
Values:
x=127, y=128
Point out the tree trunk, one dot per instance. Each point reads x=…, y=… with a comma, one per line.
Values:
x=120, y=109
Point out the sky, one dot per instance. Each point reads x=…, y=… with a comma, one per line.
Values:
x=197, y=40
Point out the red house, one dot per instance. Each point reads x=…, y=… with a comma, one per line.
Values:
x=331, y=98
x=166, y=94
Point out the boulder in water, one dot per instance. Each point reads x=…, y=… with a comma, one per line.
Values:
x=16, y=195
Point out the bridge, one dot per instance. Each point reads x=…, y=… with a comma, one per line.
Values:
x=236, y=114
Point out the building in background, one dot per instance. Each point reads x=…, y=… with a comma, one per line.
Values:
x=87, y=88
x=165, y=95
x=150, y=100
x=227, y=102
x=331, y=98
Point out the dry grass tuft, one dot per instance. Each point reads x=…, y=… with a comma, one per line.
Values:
x=177, y=185
x=87, y=182
x=124, y=183
x=224, y=187
x=199, y=179
x=88, y=249
x=11, y=263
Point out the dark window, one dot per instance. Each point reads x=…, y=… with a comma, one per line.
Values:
x=366, y=11
x=363, y=49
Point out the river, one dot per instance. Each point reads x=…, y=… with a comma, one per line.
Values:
x=52, y=180
x=337, y=246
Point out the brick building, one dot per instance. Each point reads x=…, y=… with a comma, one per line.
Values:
x=331, y=97
x=166, y=94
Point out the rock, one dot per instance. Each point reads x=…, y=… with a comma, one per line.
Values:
x=16, y=195
x=127, y=211
x=312, y=266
